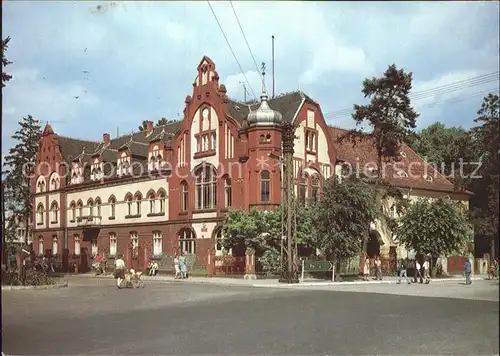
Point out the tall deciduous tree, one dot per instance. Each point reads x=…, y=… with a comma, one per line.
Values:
x=450, y=149
x=343, y=215
x=5, y=62
x=437, y=228
x=486, y=187
x=18, y=169
x=162, y=121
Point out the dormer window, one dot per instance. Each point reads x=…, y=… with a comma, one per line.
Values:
x=96, y=172
x=155, y=158
x=427, y=178
x=76, y=173
x=123, y=164
x=402, y=174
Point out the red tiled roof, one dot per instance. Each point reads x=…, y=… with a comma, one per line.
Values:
x=362, y=155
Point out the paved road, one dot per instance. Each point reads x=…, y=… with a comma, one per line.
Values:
x=92, y=317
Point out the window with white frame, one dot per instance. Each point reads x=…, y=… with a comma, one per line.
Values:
x=151, y=199
x=54, y=183
x=129, y=205
x=138, y=202
x=184, y=196
x=161, y=198
x=112, y=244
x=134, y=238
x=95, y=248
x=112, y=202
x=206, y=188
x=55, y=245
x=54, y=210
x=187, y=241
x=77, y=245
x=40, y=245
x=73, y=211
x=98, y=206
x=315, y=187
x=157, y=243
x=227, y=192
x=39, y=214
x=90, y=203
x=80, y=209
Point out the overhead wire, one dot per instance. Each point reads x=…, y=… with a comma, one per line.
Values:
x=436, y=91
x=248, y=45
x=232, y=51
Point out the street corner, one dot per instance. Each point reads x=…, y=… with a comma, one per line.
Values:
x=48, y=286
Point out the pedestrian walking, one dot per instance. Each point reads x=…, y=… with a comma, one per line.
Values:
x=427, y=272
x=177, y=267
x=403, y=271
x=418, y=272
x=468, y=271
x=183, y=265
x=366, y=269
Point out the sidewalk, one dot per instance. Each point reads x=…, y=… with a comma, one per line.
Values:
x=269, y=283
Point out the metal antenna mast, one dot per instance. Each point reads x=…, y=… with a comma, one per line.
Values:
x=289, y=272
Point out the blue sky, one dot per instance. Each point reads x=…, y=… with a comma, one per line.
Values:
x=141, y=57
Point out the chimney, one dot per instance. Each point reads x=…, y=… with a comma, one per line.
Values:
x=149, y=127
x=105, y=138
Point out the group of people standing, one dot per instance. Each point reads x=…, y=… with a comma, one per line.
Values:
x=378, y=268
x=180, y=266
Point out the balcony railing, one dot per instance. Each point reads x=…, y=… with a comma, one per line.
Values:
x=89, y=220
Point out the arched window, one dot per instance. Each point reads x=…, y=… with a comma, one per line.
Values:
x=54, y=210
x=112, y=244
x=184, y=196
x=54, y=183
x=206, y=188
x=265, y=187
x=80, y=208
x=138, y=202
x=39, y=214
x=187, y=241
x=151, y=198
x=73, y=211
x=40, y=245
x=219, y=249
x=112, y=202
x=161, y=198
x=315, y=187
x=98, y=206
x=77, y=244
x=55, y=245
x=134, y=239
x=90, y=203
x=129, y=205
x=303, y=188
x=227, y=192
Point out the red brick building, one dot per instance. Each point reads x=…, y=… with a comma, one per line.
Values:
x=169, y=187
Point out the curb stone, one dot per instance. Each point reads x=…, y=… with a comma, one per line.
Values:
x=49, y=286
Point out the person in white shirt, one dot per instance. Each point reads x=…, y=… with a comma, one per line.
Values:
x=119, y=270
x=427, y=274
x=418, y=271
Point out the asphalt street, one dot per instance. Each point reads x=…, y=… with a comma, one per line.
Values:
x=92, y=317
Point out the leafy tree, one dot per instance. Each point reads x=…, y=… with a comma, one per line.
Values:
x=486, y=188
x=18, y=169
x=5, y=62
x=343, y=216
x=162, y=121
x=445, y=147
x=389, y=114
x=435, y=227
x=261, y=230
x=392, y=119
